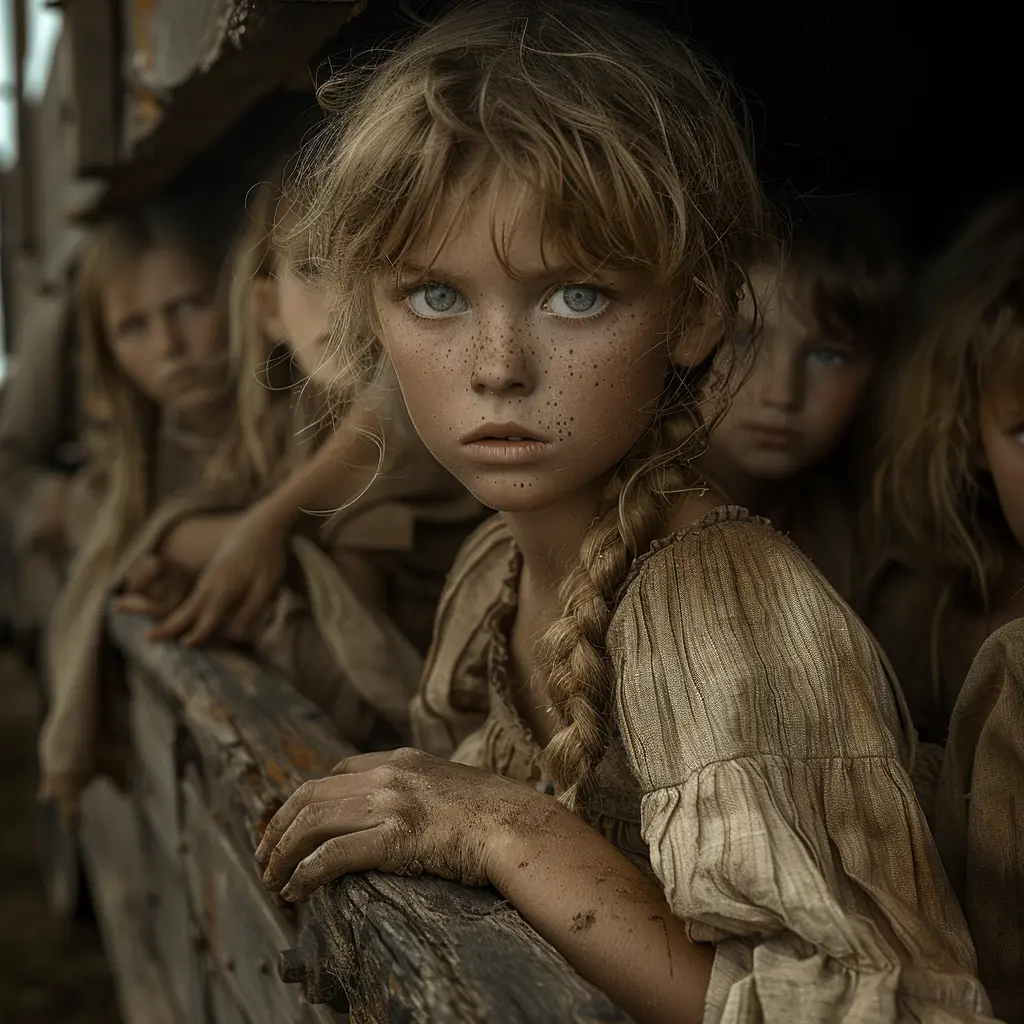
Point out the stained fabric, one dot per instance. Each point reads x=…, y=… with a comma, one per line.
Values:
x=765, y=759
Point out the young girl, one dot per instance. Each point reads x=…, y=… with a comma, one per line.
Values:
x=153, y=340
x=350, y=626
x=792, y=441
x=538, y=212
x=952, y=485
x=944, y=509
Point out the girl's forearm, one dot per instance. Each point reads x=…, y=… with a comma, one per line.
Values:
x=333, y=476
x=194, y=541
x=606, y=918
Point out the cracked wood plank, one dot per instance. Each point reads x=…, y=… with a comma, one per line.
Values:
x=391, y=948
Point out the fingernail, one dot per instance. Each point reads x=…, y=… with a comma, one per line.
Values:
x=289, y=894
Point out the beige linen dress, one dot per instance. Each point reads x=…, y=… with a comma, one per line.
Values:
x=760, y=757
x=979, y=814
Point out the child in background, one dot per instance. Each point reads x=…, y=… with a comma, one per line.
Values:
x=154, y=345
x=350, y=625
x=537, y=215
x=793, y=442
x=950, y=492
x=944, y=505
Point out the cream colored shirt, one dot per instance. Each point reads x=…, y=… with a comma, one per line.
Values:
x=768, y=759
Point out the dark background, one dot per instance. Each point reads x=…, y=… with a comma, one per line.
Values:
x=920, y=109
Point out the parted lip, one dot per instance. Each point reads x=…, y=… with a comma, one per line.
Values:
x=501, y=432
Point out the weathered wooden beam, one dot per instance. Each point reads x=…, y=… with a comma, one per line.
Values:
x=392, y=948
x=441, y=953
x=92, y=25
x=272, y=42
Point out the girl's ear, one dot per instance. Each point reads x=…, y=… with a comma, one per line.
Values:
x=698, y=341
x=265, y=305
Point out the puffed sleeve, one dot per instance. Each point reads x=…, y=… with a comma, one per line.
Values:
x=780, y=819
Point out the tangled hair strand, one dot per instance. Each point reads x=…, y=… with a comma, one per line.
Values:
x=931, y=501
x=630, y=143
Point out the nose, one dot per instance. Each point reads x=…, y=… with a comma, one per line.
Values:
x=781, y=381
x=501, y=360
x=167, y=338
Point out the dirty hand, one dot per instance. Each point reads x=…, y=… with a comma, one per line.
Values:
x=401, y=811
x=236, y=585
x=153, y=586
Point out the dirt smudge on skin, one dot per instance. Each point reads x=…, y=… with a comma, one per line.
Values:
x=582, y=921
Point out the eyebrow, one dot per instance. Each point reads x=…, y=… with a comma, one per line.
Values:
x=556, y=272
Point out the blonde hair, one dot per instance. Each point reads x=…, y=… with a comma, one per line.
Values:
x=267, y=378
x=631, y=145
x=930, y=497
x=110, y=248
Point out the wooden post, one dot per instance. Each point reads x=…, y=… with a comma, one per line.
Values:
x=219, y=743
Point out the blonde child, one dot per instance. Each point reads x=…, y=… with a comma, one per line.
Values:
x=793, y=441
x=951, y=490
x=154, y=347
x=539, y=212
x=350, y=624
x=945, y=511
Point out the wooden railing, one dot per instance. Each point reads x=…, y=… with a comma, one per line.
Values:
x=219, y=742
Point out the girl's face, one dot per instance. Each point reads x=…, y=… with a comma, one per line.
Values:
x=300, y=321
x=1002, y=442
x=528, y=388
x=797, y=400
x=165, y=332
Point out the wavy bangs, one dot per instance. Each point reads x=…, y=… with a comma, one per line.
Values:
x=626, y=139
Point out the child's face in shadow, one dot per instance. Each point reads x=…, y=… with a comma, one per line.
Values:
x=1002, y=440
x=165, y=332
x=528, y=388
x=299, y=319
x=798, y=397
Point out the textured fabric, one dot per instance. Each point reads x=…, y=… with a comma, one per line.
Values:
x=75, y=732
x=979, y=814
x=768, y=761
x=359, y=665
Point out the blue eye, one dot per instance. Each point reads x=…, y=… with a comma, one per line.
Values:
x=576, y=301
x=436, y=300
x=740, y=339
x=829, y=357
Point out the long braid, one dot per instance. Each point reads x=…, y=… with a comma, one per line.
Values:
x=572, y=652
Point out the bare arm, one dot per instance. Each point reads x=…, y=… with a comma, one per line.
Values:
x=606, y=918
x=194, y=541
x=389, y=811
x=244, y=558
x=334, y=476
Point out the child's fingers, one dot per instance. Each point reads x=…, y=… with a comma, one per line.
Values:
x=180, y=620
x=343, y=855
x=310, y=792
x=208, y=620
x=362, y=762
x=314, y=825
x=142, y=574
x=245, y=618
x=135, y=604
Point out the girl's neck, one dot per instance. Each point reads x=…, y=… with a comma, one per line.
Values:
x=549, y=539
